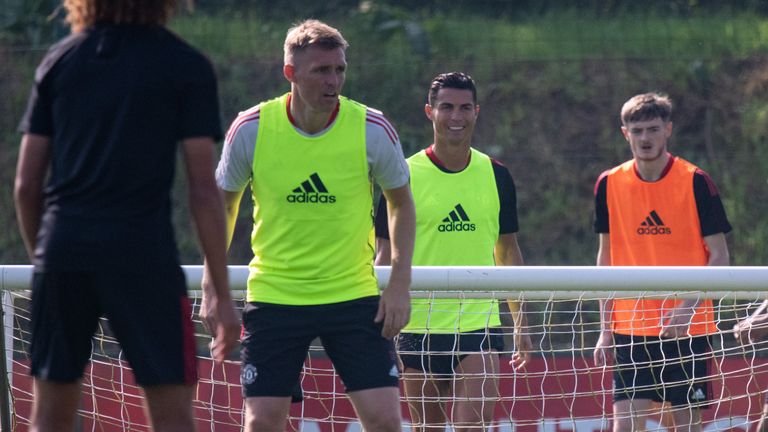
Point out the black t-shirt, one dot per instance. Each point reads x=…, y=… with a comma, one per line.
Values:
x=710, y=208
x=505, y=186
x=115, y=100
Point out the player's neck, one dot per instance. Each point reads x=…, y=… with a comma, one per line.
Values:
x=652, y=170
x=307, y=119
x=454, y=156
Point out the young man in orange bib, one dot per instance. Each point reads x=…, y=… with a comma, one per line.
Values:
x=657, y=210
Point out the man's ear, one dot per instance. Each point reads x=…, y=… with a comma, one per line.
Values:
x=668, y=128
x=288, y=72
x=625, y=132
x=428, y=111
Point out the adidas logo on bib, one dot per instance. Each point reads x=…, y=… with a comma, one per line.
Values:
x=312, y=190
x=457, y=220
x=653, y=225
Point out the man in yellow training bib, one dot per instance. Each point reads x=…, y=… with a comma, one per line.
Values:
x=466, y=214
x=310, y=157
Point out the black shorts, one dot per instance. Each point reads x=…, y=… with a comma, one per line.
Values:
x=277, y=339
x=440, y=353
x=671, y=370
x=148, y=312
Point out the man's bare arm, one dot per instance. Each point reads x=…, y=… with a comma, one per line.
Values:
x=31, y=170
x=208, y=214
x=507, y=253
x=395, y=306
x=603, y=354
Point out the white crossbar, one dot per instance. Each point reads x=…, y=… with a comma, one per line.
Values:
x=554, y=282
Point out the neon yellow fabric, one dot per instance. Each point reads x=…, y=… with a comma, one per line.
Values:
x=457, y=223
x=313, y=233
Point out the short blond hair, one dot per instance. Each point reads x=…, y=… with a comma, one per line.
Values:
x=85, y=13
x=308, y=33
x=646, y=106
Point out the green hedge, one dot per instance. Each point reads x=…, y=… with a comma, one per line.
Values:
x=551, y=85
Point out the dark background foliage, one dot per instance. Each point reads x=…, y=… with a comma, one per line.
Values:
x=552, y=77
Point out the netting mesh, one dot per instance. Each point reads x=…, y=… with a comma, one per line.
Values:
x=559, y=389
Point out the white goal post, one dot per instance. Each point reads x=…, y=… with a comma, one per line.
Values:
x=531, y=281
x=560, y=390
x=510, y=279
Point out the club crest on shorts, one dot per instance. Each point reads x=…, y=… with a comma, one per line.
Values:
x=248, y=375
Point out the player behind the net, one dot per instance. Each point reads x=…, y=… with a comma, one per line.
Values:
x=466, y=214
x=751, y=331
x=657, y=210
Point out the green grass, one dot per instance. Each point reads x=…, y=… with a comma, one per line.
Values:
x=227, y=36
x=571, y=36
x=550, y=88
x=563, y=35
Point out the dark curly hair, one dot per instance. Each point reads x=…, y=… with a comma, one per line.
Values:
x=84, y=13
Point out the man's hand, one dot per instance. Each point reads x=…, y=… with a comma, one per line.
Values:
x=604, y=347
x=749, y=331
x=754, y=328
x=395, y=304
x=523, y=348
x=227, y=331
x=220, y=321
x=677, y=322
x=394, y=308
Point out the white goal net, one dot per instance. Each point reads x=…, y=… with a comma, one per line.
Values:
x=560, y=389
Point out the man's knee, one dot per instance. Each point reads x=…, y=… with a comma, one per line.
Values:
x=259, y=423
x=385, y=422
x=266, y=414
x=477, y=412
x=170, y=407
x=630, y=416
x=628, y=423
x=47, y=416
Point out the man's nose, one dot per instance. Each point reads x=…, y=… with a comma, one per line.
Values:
x=334, y=79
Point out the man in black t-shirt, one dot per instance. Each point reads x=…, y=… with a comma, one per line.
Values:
x=109, y=105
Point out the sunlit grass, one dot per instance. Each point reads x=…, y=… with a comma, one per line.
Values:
x=570, y=36
x=558, y=36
